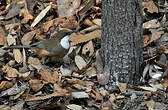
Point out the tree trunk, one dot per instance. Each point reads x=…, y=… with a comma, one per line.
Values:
x=121, y=45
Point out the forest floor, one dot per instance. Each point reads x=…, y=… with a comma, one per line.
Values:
x=27, y=83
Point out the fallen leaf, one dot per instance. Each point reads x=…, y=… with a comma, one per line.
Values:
x=76, y=81
x=145, y=39
x=27, y=16
x=46, y=76
x=5, y=85
x=165, y=82
x=24, y=75
x=112, y=98
x=122, y=87
x=74, y=107
x=56, y=76
x=91, y=72
x=5, y=107
x=11, y=72
x=150, y=6
x=80, y=62
x=88, y=47
x=11, y=40
x=80, y=95
x=151, y=24
x=148, y=88
x=65, y=22
x=17, y=88
x=14, y=11
x=97, y=22
x=35, y=63
x=155, y=35
x=41, y=16
x=65, y=71
x=18, y=106
x=17, y=55
x=36, y=85
x=150, y=104
x=33, y=98
x=77, y=38
x=67, y=7
x=88, y=22
x=2, y=36
x=58, y=89
x=30, y=5
x=95, y=95
x=26, y=39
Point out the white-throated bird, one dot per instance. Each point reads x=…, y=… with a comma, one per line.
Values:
x=55, y=48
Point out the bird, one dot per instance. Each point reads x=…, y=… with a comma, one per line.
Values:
x=54, y=49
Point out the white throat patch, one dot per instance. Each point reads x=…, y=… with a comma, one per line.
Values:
x=65, y=42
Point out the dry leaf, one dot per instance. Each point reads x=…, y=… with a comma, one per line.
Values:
x=80, y=95
x=77, y=38
x=80, y=62
x=18, y=106
x=58, y=89
x=17, y=55
x=67, y=7
x=11, y=40
x=66, y=22
x=150, y=6
x=41, y=16
x=155, y=35
x=145, y=39
x=88, y=47
x=5, y=85
x=26, y=39
x=5, y=107
x=74, y=107
x=27, y=16
x=46, y=76
x=151, y=24
x=65, y=71
x=97, y=22
x=36, y=85
x=76, y=81
x=17, y=88
x=55, y=94
x=95, y=95
x=88, y=22
x=14, y=11
x=165, y=82
x=112, y=98
x=122, y=87
x=150, y=104
x=11, y=72
x=91, y=72
x=24, y=75
x=56, y=76
x=35, y=62
x=2, y=36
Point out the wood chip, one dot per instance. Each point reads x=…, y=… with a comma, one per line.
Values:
x=41, y=16
x=80, y=62
x=17, y=55
x=77, y=38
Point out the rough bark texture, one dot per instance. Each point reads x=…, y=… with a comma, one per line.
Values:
x=121, y=39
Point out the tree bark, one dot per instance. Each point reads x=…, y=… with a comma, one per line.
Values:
x=121, y=45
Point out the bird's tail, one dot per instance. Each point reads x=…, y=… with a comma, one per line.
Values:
x=17, y=47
